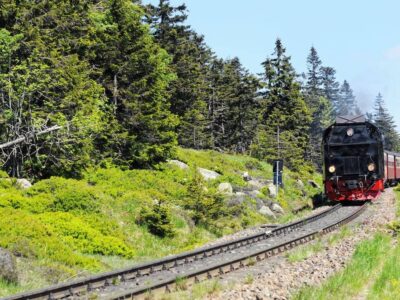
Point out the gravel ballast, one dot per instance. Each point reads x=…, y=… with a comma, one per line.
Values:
x=278, y=278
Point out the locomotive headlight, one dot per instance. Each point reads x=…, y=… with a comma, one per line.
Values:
x=350, y=131
x=371, y=167
x=332, y=169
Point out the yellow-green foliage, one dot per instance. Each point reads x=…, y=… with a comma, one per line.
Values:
x=67, y=194
x=27, y=236
x=82, y=237
x=115, y=215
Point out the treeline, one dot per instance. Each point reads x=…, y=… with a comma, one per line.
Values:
x=128, y=82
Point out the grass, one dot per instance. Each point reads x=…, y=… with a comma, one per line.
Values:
x=80, y=227
x=306, y=251
x=196, y=291
x=387, y=285
x=349, y=282
x=373, y=271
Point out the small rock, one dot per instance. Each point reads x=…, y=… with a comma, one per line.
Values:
x=255, y=184
x=246, y=176
x=266, y=211
x=181, y=165
x=272, y=190
x=313, y=184
x=259, y=203
x=300, y=184
x=255, y=193
x=225, y=188
x=208, y=174
x=236, y=199
x=8, y=266
x=24, y=183
x=275, y=207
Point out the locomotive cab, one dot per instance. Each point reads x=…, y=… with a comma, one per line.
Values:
x=353, y=160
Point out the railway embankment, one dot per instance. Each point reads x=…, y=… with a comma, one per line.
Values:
x=62, y=229
x=357, y=262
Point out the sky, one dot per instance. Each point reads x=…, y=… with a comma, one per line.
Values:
x=360, y=39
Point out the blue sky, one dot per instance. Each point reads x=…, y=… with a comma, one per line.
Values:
x=360, y=39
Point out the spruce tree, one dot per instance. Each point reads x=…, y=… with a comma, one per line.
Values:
x=136, y=74
x=284, y=109
x=330, y=87
x=347, y=104
x=314, y=81
x=320, y=107
x=190, y=60
x=386, y=124
x=232, y=105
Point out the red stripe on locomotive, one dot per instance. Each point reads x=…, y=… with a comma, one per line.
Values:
x=338, y=191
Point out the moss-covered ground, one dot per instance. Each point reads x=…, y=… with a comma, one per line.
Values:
x=61, y=229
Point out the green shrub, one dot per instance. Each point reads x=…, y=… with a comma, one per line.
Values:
x=26, y=235
x=68, y=194
x=82, y=237
x=204, y=205
x=157, y=219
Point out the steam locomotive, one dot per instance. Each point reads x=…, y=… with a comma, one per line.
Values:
x=356, y=167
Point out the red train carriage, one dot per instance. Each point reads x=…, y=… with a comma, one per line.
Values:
x=392, y=168
x=354, y=160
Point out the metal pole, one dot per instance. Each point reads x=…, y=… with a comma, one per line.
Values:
x=278, y=144
x=277, y=177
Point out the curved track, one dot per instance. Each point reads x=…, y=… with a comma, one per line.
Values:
x=162, y=275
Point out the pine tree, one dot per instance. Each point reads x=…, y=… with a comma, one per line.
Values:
x=386, y=124
x=284, y=108
x=320, y=107
x=314, y=81
x=46, y=83
x=330, y=87
x=347, y=104
x=232, y=105
x=190, y=60
x=136, y=74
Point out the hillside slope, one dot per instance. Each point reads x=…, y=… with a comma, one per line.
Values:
x=64, y=228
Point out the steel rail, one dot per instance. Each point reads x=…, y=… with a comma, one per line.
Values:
x=219, y=269
x=97, y=281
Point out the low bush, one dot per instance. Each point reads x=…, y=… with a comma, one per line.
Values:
x=157, y=218
x=67, y=194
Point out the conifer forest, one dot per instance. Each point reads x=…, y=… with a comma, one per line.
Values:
x=124, y=137
x=129, y=82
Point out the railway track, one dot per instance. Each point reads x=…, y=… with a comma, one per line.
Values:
x=164, y=274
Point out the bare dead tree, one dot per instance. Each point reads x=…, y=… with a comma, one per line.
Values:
x=17, y=151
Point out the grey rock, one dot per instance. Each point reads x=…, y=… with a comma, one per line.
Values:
x=225, y=188
x=268, y=202
x=259, y=203
x=24, y=183
x=255, y=194
x=236, y=199
x=240, y=194
x=255, y=184
x=266, y=211
x=300, y=184
x=246, y=176
x=179, y=164
x=272, y=190
x=208, y=174
x=8, y=266
x=313, y=184
x=275, y=207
